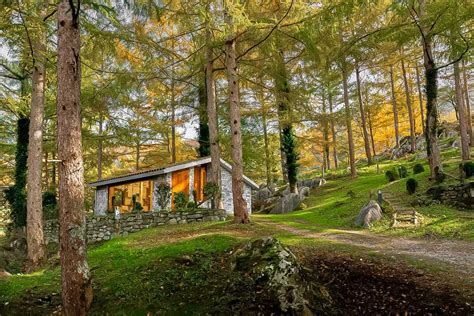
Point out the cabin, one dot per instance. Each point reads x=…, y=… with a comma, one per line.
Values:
x=183, y=177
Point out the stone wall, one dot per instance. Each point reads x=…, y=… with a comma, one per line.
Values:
x=461, y=196
x=226, y=189
x=101, y=228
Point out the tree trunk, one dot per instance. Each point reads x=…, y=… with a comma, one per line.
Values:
x=282, y=95
x=371, y=130
x=463, y=125
x=75, y=275
x=53, y=171
x=325, y=123
x=348, y=116
x=468, y=106
x=204, y=149
x=284, y=169
x=137, y=154
x=420, y=98
x=46, y=170
x=409, y=109
x=99, y=147
x=212, y=119
x=394, y=108
x=34, y=230
x=173, y=120
x=431, y=75
x=265, y=138
x=333, y=130
x=241, y=214
x=368, y=153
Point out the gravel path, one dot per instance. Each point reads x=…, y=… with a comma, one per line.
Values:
x=459, y=254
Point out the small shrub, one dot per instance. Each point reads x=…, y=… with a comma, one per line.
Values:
x=210, y=190
x=391, y=175
x=180, y=200
x=418, y=168
x=440, y=177
x=191, y=205
x=163, y=195
x=411, y=185
x=468, y=169
x=402, y=171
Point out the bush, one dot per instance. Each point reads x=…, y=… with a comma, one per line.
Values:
x=180, y=200
x=163, y=195
x=391, y=175
x=440, y=177
x=402, y=171
x=411, y=185
x=210, y=190
x=418, y=168
x=468, y=168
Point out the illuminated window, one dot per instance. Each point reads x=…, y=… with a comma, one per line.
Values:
x=131, y=195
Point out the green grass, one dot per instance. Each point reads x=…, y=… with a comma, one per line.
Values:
x=332, y=206
x=130, y=274
x=336, y=204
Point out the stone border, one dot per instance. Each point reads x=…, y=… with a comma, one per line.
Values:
x=100, y=228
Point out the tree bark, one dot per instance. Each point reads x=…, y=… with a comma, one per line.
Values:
x=75, y=275
x=34, y=230
x=431, y=75
x=463, y=124
x=348, y=116
x=409, y=109
x=371, y=130
x=173, y=119
x=282, y=95
x=241, y=214
x=99, y=147
x=53, y=172
x=265, y=138
x=137, y=154
x=368, y=153
x=325, y=124
x=212, y=118
x=420, y=98
x=394, y=108
x=333, y=130
x=468, y=106
x=46, y=170
x=204, y=149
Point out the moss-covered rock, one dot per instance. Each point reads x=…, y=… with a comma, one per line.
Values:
x=275, y=271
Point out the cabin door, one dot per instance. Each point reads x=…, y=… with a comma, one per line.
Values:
x=179, y=183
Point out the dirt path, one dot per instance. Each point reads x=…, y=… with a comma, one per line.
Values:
x=459, y=254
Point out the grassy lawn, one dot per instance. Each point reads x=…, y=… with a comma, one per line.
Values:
x=142, y=270
x=182, y=270
x=336, y=204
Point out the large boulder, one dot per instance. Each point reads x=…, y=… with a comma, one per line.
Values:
x=304, y=193
x=263, y=194
x=287, y=203
x=310, y=183
x=368, y=214
x=275, y=272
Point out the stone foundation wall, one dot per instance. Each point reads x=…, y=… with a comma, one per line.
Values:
x=100, y=228
x=461, y=195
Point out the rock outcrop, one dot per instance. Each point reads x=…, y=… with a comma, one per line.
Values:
x=368, y=214
x=270, y=200
x=275, y=271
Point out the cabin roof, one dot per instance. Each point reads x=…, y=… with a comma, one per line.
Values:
x=164, y=170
